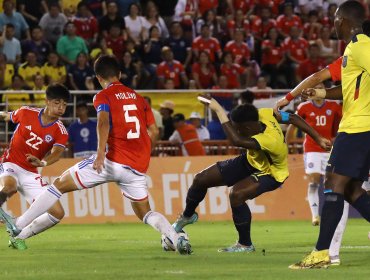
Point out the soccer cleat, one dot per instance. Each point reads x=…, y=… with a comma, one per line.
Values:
x=182, y=221
x=315, y=259
x=17, y=243
x=9, y=222
x=183, y=246
x=316, y=221
x=334, y=260
x=238, y=248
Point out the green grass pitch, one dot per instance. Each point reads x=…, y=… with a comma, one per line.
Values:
x=133, y=251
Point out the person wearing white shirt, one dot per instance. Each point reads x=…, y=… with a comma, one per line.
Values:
x=202, y=131
x=135, y=24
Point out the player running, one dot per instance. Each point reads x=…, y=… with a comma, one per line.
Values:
x=38, y=132
x=349, y=161
x=126, y=126
x=262, y=168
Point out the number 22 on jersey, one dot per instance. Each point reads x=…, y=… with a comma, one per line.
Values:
x=34, y=141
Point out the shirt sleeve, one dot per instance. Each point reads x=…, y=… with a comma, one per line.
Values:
x=335, y=69
x=175, y=137
x=61, y=138
x=149, y=117
x=17, y=115
x=101, y=103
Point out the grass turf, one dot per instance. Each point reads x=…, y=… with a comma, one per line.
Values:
x=133, y=251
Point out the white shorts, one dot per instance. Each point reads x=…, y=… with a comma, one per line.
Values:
x=315, y=162
x=30, y=185
x=131, y=182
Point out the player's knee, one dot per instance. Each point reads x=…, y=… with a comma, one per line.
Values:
x=62, y=186
x=236, y=198
x=200, y=180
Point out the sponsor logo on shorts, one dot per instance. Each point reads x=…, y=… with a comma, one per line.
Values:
x=310, y=164
x=10, y=170
x=48, y=138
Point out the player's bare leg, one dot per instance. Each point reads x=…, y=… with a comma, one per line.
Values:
x=160, y=223
x=8, y=187
x=313, y=196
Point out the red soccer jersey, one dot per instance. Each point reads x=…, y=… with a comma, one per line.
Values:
x=271, y=54
x=130, y=115
x=211, y=45
x=335, y=69
x=240, y=52
x=272, y=4
x=232, y=73
x=306, y=31
x=284, y=24
x=205, y=79
x=171, y=71
x=32, y=137
x=296, y=48
x=323, y=119
x=260, y=28
x=308, y=67
x=86, y=27
x=205, y=5
x=117, y=45
x=231, y=25
x=244, y=5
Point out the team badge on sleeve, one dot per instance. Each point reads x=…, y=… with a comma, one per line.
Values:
x=344, y=61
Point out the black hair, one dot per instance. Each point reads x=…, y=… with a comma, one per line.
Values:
x=81, y=104
x=57, y=91
x=148, y=99
x=135, y=4
x=366, y=27
x=244, y=113
x=247, y=96
x=36, y=27
x=10, y=25
x=178, y=117
x=82, y=4
x=152, y=28
x=107, y=66
x=313, y=13
x=353, y=10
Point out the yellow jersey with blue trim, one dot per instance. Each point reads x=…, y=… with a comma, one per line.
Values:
x=356, y=86
x=272, y=158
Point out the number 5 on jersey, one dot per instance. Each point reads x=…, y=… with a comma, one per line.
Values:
x=132, y=119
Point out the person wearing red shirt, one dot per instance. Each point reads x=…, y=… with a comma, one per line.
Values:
x=86, y=24
x=204, y=73
x=313, y=64
x=205, y=5
x=207, y=43
x=225, y=98
x=273, y=5
x=38, y=141
x=238, y=22
x=232, y=71
x=238, y=48
x=126, y=132
x=312, y=28
x=171, y=69
x=261, y=25
x=115, y=41
x=286, y=21
x=246, y=6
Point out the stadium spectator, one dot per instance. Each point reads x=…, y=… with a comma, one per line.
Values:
x=80, y=73
x=312, y=64
x=171, y=69
x=70, y=45
x=328, y=47
x=37, y=44
x=246, y=97
x=152, y=50
x=54, y=70
x=111, y=18
x=312, y=28
x=166, y=110
x=187, y=136
x=114, y=41
x=16, y=100
x=38, y=99
x=29, y=69
x=135, y=24
x=206, y=5
x=207, y=43
x=210, y=18
x=125, y=5
x=128, y=70
x=232, y=71
x=185, y=12
x=306, y=6
x=286, y=21
x=68, y=7
x=195, y=120
x=157, y=117
x=32, y=11
x=272, y=57
x=238, y=22
x=97, y=7
x=328, y=19
x=52, y=23
x=238, y=48
x=246, y=6
x=204, y=73
x=10, y=16
x=261, y=90
x=6, y=72
x=10, y=46
x=169, y=84
x=224, y=98
x=86, y=24
x=180, y=46
x=215, y=128
x=82, y=134
x=152, y=18
x=262, y=24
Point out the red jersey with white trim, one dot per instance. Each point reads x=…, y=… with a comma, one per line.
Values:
x=297, y=48
x=171, y=70
x=130, y=115
x=335, y=69
x=240, y=52
x=33, y=137
x=324, y=119
x=284, y=23
x=211, y=45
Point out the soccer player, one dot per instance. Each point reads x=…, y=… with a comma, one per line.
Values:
x=126, y=126
x=38, y=132
x=324, y=117
x=349, y=160
x=261, y=169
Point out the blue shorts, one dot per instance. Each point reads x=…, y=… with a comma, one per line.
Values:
x=350, y=155
x=236, y=169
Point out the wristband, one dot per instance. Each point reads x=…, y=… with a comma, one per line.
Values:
x=285, y=116
x=289, y=96
x=44, y=163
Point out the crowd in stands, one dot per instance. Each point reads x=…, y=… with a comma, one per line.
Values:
x=177, y=44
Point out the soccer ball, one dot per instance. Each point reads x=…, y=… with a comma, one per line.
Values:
x=168, y=245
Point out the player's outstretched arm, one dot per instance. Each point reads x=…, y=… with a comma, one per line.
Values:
x=334, y=93
x=4, y=116
x=54, y=156
x=102, y=130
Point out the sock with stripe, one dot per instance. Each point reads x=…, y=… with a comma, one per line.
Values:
x=40, y=224
x=313, y=198
x=41, y=205
x=161, y=224
x=339, y=231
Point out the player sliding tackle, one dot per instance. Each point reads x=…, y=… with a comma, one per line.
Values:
x=127, y=126
x=262, y=168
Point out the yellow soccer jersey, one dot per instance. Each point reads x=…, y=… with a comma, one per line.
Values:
x=39, y=99
x=356, y=86
x=16, y=100
x=8, y=75
x=272, y=159
x=54, y=74
x=27, y=73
